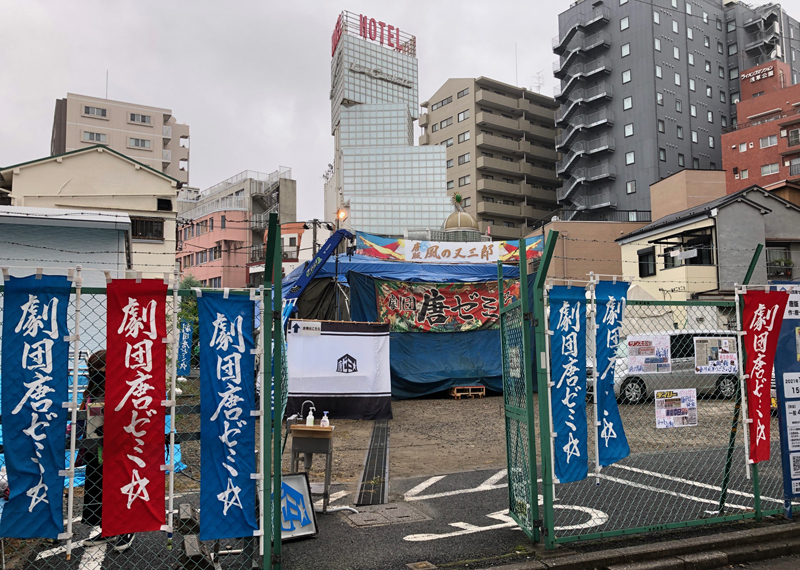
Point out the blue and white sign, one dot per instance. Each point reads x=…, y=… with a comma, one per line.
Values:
x=568, y=372
x=185, y=348
x=612, y=442
x=227, y=427
x=35, y=384
x=298, y=518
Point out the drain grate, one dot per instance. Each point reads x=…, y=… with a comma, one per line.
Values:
x=373, y=486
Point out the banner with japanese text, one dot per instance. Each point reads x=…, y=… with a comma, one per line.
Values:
x=35, y=384
x=441, y=307
x=612, y=442
x=425, y=251
x=227, y=427
x=136, y=360
x=185, y=348
x=762, y=317
x=568, y=374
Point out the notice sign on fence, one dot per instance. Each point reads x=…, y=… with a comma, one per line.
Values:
x=715, y=355
x=648, y=354
x=676, y=408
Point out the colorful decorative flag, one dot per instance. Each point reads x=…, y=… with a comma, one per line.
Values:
x=612, y=443
x=35, y=384
x=568, y=373
x=761, y=321
x=133, y=451
x=227, y=427
x=185, y=348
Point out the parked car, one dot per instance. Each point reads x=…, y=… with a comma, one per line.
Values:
x=636, y=387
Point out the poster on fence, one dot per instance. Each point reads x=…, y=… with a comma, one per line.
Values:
x=34, y=386
x=649, y=354
x=568, y=394
x=715, y=355
x=136, y=360
x=676, y=408
x=185, y=348
x=227, y=426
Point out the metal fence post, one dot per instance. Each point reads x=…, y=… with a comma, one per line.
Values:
x=277, y=378
x=726, y=475
x=270, y=487
x=540, y=324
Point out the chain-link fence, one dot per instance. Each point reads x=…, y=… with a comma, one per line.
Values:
x=154, y=550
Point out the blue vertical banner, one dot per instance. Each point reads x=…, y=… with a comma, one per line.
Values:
x=612, y=442
x=185, y=348
x=568, y=374
x=227, y=427
x=35, y=384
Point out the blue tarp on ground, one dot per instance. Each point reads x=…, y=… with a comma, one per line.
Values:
x=423, y=363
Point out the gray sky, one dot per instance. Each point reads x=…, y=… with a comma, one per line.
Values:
x=250, y=78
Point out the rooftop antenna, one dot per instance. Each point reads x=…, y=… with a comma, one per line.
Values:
x=516, y=67
x=538, y=82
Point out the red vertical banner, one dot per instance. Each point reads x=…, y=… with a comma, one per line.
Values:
x=133, y=451
x=761, y=320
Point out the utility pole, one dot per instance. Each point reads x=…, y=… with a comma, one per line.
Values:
x=315, y=222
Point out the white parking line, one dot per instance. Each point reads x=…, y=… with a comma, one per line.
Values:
x=93, y=557
x=490, y=484
x=670, y=493
x=334, y=497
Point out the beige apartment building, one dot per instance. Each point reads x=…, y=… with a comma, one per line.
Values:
x=150, y=135
x=501, y=155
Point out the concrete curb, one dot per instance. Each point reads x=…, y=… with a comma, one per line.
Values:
x=699, y=553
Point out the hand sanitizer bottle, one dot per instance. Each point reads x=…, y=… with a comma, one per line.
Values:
x=310, y=418
x=324, y=422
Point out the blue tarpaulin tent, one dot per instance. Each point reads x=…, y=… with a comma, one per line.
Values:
x=423, y=363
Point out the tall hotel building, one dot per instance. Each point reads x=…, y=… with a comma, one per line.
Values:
x=647, y=88
x=384, y=183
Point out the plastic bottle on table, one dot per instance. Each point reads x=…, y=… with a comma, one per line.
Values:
x=324, y=422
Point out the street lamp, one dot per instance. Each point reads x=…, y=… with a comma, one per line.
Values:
x=341, y=216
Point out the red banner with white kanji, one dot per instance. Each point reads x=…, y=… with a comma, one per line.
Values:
x=133, y=438
x=761, y=320
x=441, y=307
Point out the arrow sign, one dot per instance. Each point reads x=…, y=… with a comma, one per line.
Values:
x=296, y=328
x=306, y=328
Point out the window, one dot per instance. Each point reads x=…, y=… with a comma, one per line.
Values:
x=464, y=158
x=678, y=106
x=708, y=66
x=723, y=120
x=706, y=41
x=658, y=71
x=222, y=221
x=771, y=140
x=769, y=169
x=139, y=143
x=661, y=127
x=508, y=159
x=449, y=142
x=688, y=8
x=462, y=93
x=662, y=155
x=446, y=123
x=94, y=111
x=627, y=103
x=625, y=50
x=695, y=163
x=434, y=127
x=450, y=163
x=630, y=157
x=624, y=23
x=681, y=160
x=721, y=72
x=487, y=154
x=680, y=132
x=647, y=262
x=622, y=2
x=629, y=130
x=689, y=33
x=463, y=115
x=630, y=186
x=441, y=103
x=450, y=184
x=735, y=97
x=626, y=76
x=466, y=202
x=163, y=204
x=464, y=180
x=143, y=119
x=509, y=224
x=710, y=141
x=719, y=24
x=742, y=147
x=733, y=49
x=721, y=96
x=720, y=48
x=730, y=25
x=656, y=17
x=744, y=174
x=734, y=73
x=693, y=110
x=674, y=3
x=147, y=228
x=94, y=137
x=705, y=17
x=692, y=85
x=708, y=91
x=660, y=98
x=676, y=52
x=657, y=44
x=710, y=116
x=694, y=136
x=462, y=137
x=675, y=26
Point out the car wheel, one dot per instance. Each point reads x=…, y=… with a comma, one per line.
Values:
x=633, y=391
x=726, y=387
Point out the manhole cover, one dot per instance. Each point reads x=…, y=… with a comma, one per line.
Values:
x=377, y=515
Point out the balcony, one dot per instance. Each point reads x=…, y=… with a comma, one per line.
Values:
x=491, y=142
x=581, y=122
x=539, y=194
x=424, y=140
x=493, y=121
x=496, y=101
x=769, y=37
x=497, y=165
x=219, y=205
x=166, y=156
x=595, y=200
x=423, y=120
x=498, y=209
x=538, y=112
x=540, y=174
x=581, y=22
x=581, y=71
x=498, y=187
x=587, y=45
x=779, y=263
x=166, y=132
x=500, y=232
x=543, y=134
x=580, y=148
x=581, y=97
x=538, y=151
x=794, y=170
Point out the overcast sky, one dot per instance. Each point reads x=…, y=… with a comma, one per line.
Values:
x=250, y=78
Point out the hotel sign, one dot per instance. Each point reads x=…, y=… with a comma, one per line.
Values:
x=371, y=29
x=382, y=75
x=759, y=74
